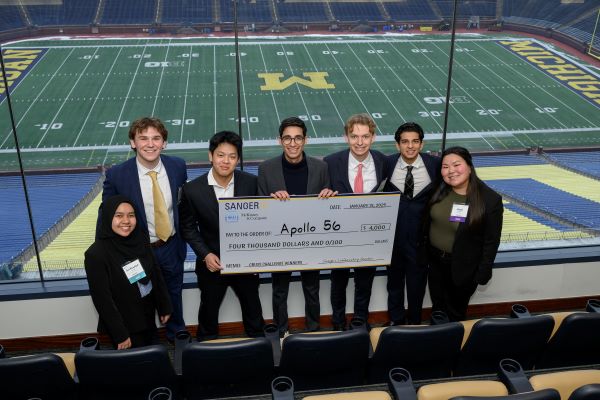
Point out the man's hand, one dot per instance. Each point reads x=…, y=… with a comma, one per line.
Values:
x=212, y=262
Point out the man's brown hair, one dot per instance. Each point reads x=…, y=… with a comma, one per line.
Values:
x=140, y=125
x=361, y=119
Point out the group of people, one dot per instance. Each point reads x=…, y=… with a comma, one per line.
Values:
x=447, y=230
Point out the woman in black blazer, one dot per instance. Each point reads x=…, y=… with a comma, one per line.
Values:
x=125, y=282
x=462, y=230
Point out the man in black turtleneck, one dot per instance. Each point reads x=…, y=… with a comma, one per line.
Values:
x=294, y=173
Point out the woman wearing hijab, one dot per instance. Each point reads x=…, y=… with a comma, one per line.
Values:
x=462, y=232
x=126, y=285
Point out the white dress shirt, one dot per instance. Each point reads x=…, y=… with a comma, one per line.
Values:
x=221, y=191
x=420, y=175
x=368, y=172
x=146, y=188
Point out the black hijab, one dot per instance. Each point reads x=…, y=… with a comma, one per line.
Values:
x=120, y=249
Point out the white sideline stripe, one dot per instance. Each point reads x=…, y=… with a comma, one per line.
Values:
x=313, y=140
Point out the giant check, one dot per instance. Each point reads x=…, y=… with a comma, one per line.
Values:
x=305, y=232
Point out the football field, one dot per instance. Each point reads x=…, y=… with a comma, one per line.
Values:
x=74, y=100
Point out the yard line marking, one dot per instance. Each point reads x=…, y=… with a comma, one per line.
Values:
x=408, y=62
x=351, y=85
x=162, y=72
x=375, y=80
x=456, y=109
x=187, y=84
x=36, y=97
x=272, y=95
x=308, y=114
x=542, y=73
x=326, y=90
x=66, y=98
x=245, y=100
x=97, y=97
x=123, y=106
x=215, y=86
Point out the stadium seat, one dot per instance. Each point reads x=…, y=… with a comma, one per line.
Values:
x=325, y=359
x=124, y=374
x=586, y=392
x=427, y=352
x=566, y=382
x=489, y=340
x=46, y=376
x=447, y=390
x=227, y=367
x=546, y=394
x=574, y=341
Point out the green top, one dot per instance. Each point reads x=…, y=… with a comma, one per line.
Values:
x=441, y=230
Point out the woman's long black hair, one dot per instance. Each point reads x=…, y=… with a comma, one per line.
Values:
x=474, y=195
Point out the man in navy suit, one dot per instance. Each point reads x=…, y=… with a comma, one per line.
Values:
x=199, y=212
x=357, y=169
x=134, y=178
x=415, y=174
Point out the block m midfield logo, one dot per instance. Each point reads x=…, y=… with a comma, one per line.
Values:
x=314, y=80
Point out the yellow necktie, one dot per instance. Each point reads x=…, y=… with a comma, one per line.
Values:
x=162, y=225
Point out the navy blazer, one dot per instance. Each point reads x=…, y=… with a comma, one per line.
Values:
x=410, y=211
x=124, y=179
x=199, y=211
x=338, y=170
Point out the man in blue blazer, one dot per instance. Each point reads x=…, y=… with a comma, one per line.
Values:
x=357, y=169
x=135, y=178
x=415, y=174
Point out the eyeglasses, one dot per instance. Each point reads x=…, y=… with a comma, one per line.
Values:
x=287, y=140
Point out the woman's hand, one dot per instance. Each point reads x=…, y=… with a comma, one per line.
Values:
x=126, y=344
x=164, y=318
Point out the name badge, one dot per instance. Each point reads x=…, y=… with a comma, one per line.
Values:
x=459, y=212
x=134, y=271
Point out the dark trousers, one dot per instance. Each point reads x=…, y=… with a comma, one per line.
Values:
x=445, y=295
x=310, y=288
x=213, y=287
x=404, y=271
x=171, y=265
x=363, y=282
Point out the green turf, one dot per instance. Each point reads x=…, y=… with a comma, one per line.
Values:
x=74, y=107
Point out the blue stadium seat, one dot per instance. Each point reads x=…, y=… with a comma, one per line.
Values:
x=10, y=18
x=586, y=162
x=128, y=12
x=187, y=11
x=69, y=12
x=356, y=11
x=302, y=12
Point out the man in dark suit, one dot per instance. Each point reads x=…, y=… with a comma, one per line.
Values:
x=415, y=175
x=199, y=211
x=152, y=182
x=294, y=173
x=355, y=170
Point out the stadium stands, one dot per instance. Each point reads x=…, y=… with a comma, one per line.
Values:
x=10, y=18
x=580, y=211
x=411, y=10
x=548, y=10
x=128, y=12
x=359, y=11
x=302, y=12
x=507, y=160
x=187, y=11
x=52, y=196
x=482, y=8
x=587, y=162
x=258, y=11
x=69, y=12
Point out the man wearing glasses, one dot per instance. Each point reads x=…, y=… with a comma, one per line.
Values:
x=294, y=173
x=357, y=169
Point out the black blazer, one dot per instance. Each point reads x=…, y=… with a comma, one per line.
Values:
x=271, y=180
x=338, y=170
x=199, y=212
x=410, y=211
x=475, y=249
x=119, y=304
